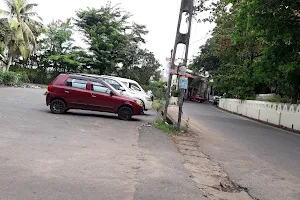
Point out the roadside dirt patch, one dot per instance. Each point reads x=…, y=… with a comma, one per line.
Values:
x=207, y=174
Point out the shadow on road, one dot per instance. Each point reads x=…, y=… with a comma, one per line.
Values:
x=90, y=114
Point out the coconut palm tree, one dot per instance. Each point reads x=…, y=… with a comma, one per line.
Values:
x=23, y=29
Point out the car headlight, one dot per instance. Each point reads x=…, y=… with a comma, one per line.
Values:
x=139, y=102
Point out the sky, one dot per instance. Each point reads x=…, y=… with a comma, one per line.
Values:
x=160, y=17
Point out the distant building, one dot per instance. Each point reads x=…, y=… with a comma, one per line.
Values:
x=198, y=84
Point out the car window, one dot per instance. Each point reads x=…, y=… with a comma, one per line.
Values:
x=99, y=87
x=125, y=83
x=134, y=86
x=113, y=83
x=77, y=83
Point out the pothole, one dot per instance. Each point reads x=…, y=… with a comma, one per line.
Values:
x=228, y=186
x=207, y=174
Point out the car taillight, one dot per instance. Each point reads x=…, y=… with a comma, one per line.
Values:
x=49, y=88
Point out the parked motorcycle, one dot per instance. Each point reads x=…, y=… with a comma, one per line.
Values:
x=216, y=100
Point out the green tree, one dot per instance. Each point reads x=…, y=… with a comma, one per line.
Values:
x=145, y=68
x=257, y=45
x=4, y=35
x=23, y=29
x=58, y=51
x=115, y=43
x=105, y=33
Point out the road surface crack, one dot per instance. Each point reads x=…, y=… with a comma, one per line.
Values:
x=207, y=174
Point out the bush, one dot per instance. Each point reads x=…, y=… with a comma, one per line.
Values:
x=36, y=76
x=12, y=78
x=174, y=91
x=158, y=89
x=158, y=105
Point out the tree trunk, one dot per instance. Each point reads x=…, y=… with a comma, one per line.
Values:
x=9, y=63
x=2, y=65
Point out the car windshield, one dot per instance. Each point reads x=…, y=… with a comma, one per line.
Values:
x=113, y=83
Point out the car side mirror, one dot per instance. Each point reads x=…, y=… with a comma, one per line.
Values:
x=111, y=93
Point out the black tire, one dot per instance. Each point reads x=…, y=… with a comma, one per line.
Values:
x=58, y=106
x=125, y=113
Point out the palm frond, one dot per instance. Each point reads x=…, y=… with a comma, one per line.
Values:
x=28, y=8
x=4, y=12
x=18, y=6
x=35, y=26
x=33, y=14
x=20, y=40
x=27, y=32
x=10, y=4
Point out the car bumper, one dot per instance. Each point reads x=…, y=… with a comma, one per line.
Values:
x=148, y=105
x=48, y=98
x=139, y=111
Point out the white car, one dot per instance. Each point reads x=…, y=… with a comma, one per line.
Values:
x=133, y=85
x=129, y=88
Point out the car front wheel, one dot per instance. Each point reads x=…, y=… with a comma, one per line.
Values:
x=58, y=106
x=125, y=113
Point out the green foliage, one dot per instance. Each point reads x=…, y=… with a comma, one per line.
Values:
x=115, y=44
x=158, y=89
x=174, y=91
x=158, y=105
x=145, y=67
x=254, y=47
x=59, y=51
x=279, y=100
x=21, y=32
x=167, y=128
x=12, y=78
x=104, y=30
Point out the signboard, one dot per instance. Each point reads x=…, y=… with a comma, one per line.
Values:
x=183, y=83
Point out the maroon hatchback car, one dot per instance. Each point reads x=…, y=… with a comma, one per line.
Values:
x=70, y=91
x=198, y=98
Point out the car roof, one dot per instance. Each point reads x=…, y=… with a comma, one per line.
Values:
x=120, y=78
x=87, y=75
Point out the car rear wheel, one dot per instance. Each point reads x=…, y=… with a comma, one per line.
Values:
x=58, y=106
x=125, y=113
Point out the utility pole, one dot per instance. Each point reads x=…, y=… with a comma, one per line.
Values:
x=186, y=9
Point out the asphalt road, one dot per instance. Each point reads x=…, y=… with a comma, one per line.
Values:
x=84, y=155
x=264, y=159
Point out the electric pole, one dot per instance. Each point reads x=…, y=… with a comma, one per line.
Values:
x=186, y=9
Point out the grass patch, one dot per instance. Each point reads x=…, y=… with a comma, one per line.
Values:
x=158, y=105
x=168, y=128
x=278, y=100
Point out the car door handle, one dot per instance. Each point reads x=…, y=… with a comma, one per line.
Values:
x=67, y=91
x=94, y=95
